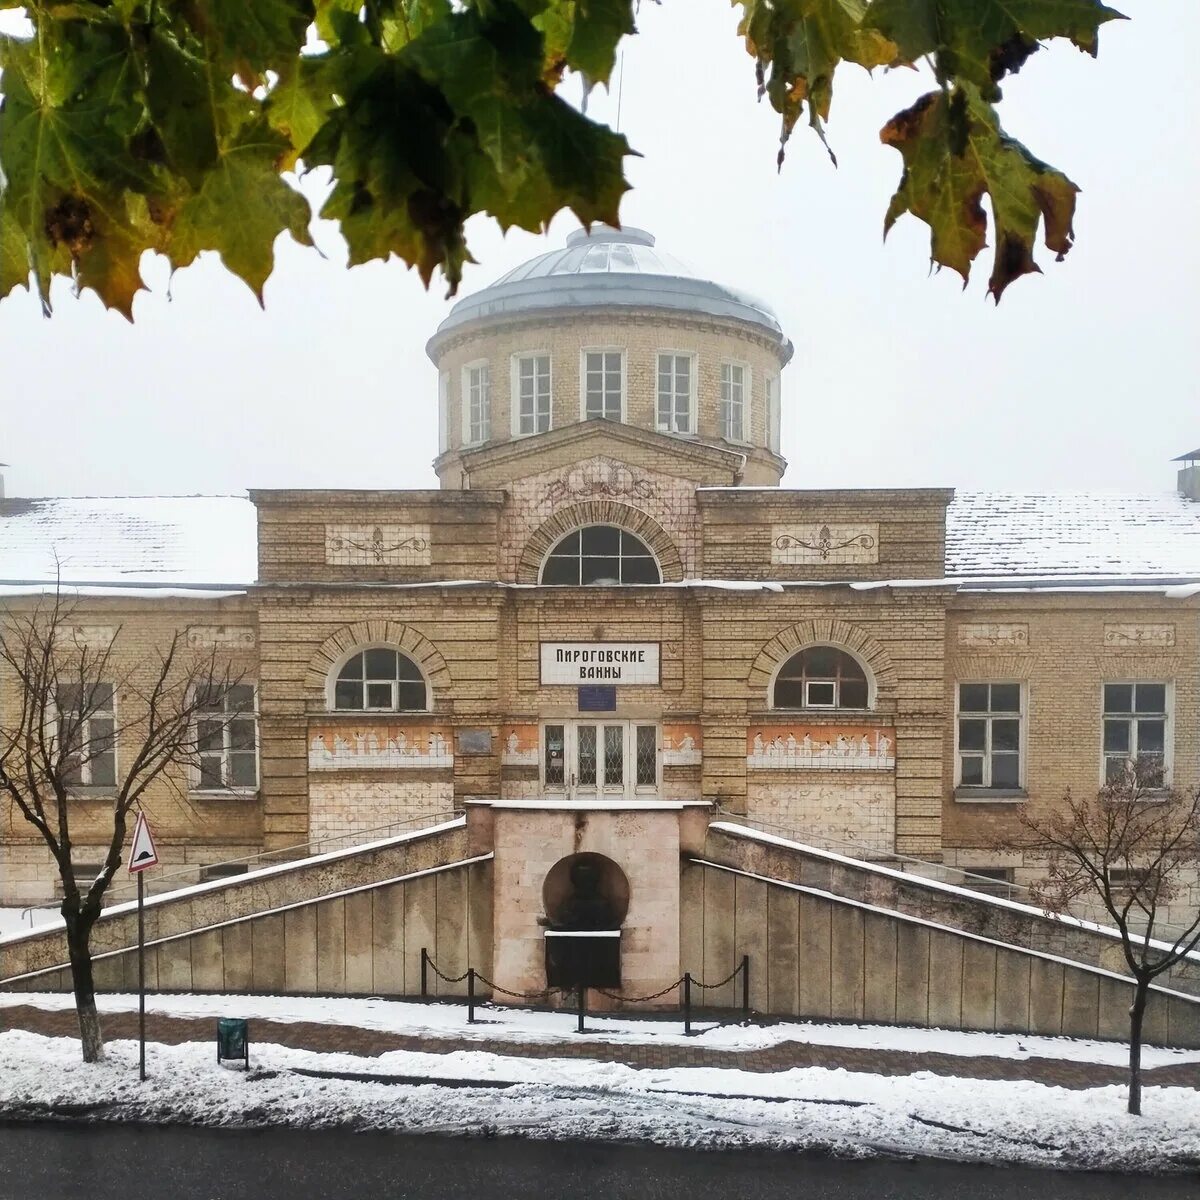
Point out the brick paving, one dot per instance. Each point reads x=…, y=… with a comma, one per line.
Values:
x=352, y=1039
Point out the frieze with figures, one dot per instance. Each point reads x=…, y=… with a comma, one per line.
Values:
x=519, y=746
x=825, y=543
x=821, y=747
x=681, y=745
x=380, y=747
x=377, y=545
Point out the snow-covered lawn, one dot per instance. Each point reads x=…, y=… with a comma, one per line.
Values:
x=449, y=1020
x=847, y=1113
x=22, y=920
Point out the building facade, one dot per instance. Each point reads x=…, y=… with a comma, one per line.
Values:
x=611, y=604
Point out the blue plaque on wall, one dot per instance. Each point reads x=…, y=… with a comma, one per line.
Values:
x=598, y=698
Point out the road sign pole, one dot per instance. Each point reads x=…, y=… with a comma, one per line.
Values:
x=142, y=975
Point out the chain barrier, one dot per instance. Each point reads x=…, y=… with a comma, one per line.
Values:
x=728, y=978
x=642, y=999
x=447, y=978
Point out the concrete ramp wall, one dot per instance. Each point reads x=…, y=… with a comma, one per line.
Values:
x=817, y=955
x=279, y=928
x=1019, y=925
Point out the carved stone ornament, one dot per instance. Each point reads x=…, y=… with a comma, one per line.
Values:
x=1157, y=637
x=825, y=544
x=993, y=635
x=92, y=637
x=228, y=637
x=601, y=479
x=377, y=545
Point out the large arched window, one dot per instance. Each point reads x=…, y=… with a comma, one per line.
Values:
x=380, y=680
x=601, y=554
x=821, y=677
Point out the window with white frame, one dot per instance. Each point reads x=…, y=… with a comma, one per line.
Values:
x=87, y=724
x=774, y=414
x=732, y=409
x=227, y=738
x=380, y=680
x=676, y=407
x=1136, y=716
x=600, y=554
x=990, y=740
x=443, y=411
x=476, y=403
x=603, y=385
x=531, y=393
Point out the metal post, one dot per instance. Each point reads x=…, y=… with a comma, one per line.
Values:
x=687, y=1004
x=141, y=976
x=745, y=985
x=582, y=1005
x=470, y=995
x=424, y=973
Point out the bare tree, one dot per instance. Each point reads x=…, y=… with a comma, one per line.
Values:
x=76, y=705
x=1136, y=847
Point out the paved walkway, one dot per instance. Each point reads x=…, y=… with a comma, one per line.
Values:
x=351, y=1039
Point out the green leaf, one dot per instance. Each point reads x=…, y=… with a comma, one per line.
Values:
x=597, y=28
x=242, y=206
x=250, y=37
x=954, y=154
x=980, y=41
x=14, y=255
x=798, y=44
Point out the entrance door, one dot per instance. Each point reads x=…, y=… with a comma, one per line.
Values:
x=596, y=760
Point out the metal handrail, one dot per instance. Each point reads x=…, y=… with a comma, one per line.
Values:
x=358, y=836
x=1018, y=893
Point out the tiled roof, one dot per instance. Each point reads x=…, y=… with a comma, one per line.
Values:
x=188, y=541
x=1071, y=535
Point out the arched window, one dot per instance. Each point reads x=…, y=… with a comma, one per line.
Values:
x=601, y=554
x=380, y=680
x=821, y=677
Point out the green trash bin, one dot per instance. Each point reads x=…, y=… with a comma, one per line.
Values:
x=233, y=1040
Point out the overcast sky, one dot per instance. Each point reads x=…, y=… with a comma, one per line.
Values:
x=1085, y=377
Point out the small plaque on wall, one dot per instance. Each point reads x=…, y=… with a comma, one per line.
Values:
x=598, y=698
x=474, y=741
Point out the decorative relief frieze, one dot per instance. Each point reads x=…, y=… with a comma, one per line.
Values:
x=92, y=637
x=993, y=635
x=225, y=637
x=681, y=745
x=600, y=479
x=791, y=545
x=377, y=545
x=821, y=747
x=380, y=747
x=1158, y=637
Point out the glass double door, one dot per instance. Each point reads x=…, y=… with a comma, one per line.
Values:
x=593, y=760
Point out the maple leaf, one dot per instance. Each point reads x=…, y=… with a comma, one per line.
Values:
x=798, y=44
x=980, y=41
x=241, y=207
x=955, y=153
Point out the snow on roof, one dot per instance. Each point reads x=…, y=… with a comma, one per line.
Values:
x=189, y=541
x=1063, y=535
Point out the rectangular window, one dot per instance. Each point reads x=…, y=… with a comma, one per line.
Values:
x=556, y=755
x=990, y=737
x=646, y=753
x=732, y=414
x=88, y=723
x=774, y=414
x=992, y=881
x=227, y=739
x=477, y=403
x=1135, y=732
x=443, y=411
x=675, y=407
x=222, y=871
x=1126, y=881
x=84, y=875
x=531, y=394
x=603, y=385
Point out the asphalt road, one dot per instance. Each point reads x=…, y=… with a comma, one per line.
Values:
x=115, y=1162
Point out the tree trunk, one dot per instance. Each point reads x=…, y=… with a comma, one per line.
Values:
x=90, y=1036
x=1136, y=1014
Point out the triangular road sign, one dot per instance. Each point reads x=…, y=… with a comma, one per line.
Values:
x=142, y=853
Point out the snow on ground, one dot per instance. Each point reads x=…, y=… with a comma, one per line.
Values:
x=21, y=920
x=449, y=1020
x=846, y=1113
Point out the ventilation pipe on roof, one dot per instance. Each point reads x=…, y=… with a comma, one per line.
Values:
x=1188, y=479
